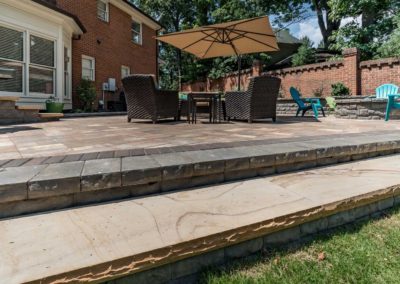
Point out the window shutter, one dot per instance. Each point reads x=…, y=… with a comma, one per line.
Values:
x=11, y=44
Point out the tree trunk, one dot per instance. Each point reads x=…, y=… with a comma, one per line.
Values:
x=326, y=25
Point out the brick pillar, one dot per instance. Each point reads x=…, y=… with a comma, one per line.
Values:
x=257, y=68
x=352, y=72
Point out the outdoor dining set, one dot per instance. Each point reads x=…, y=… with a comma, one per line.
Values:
x=145, y=101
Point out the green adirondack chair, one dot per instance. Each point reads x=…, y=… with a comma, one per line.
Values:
x=331, y=102
x=313, y=104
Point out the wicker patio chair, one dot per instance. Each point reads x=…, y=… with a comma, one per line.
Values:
x=258, y=102
x=145, y=101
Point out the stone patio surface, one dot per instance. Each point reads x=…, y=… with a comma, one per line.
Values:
x=99, y=242
x=111, y=136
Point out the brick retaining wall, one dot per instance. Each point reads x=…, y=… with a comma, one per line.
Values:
x=361, y=77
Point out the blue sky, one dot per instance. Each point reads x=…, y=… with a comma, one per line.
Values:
x=308, y=27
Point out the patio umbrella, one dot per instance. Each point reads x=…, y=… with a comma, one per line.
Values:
x=233, y=38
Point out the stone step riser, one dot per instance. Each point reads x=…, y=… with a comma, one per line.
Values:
x=189, y=270
x=33, y=189
x=7, y=105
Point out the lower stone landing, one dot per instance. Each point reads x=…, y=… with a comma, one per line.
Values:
x=168, y=237
x=10, y=113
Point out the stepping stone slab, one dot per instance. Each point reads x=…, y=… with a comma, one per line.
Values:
x=101, y=174
x=56, y=179
x=14, y=182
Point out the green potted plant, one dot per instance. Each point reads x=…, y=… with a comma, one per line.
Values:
x=53, y=106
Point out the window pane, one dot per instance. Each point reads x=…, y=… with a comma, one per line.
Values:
x=86, y=63
x=102, y=10
x=42, y=51
x=11, y=44
x=11, y=74
x=136, y=27
x=41, y=80
x=87, y=74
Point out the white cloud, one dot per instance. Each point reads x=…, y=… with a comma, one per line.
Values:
x=310, y=29
x=349, y=20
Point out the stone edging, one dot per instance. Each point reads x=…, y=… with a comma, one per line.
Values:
x=41, y=188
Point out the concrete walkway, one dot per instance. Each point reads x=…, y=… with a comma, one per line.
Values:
x=98, y=243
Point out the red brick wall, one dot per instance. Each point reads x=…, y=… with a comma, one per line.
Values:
x=361, y=77
x=377, y=72
x=111, y=46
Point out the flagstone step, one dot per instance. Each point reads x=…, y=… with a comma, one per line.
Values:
x=56, y=184
x=171, y=237
x=29, y=107
x=8, y=99
x=50, y=116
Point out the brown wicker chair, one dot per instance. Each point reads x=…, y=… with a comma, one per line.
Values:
x=258, y=102
x=145, y=101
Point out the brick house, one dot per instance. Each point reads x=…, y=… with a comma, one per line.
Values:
x=48, y=46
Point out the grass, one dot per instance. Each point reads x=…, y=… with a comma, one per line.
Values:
x=363, y=252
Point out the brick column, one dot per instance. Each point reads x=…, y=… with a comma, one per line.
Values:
x=257, y=68
x=352, y=72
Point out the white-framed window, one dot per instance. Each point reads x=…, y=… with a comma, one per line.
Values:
x=66, y=73
x=125, y=71
x=41, y=65
x=103, y=10
x=136, y=32
x=88, y=68
x=12, y=60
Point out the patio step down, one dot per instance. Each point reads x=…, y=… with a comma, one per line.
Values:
x=170, y=238
x=28, y=107
x=55, y=183
x=50, y=116
x=8, y=99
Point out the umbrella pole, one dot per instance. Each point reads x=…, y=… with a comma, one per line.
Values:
x=239, y=70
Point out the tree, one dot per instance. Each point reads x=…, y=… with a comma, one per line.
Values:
x=371, y=26
x=305, y=54
x=391, y=48
x=327, y=24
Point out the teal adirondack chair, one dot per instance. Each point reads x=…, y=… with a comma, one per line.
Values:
x=391, y=92
x=383, y=91
x=306, y=105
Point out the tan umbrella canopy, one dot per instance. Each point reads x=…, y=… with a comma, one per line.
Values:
x=227, y=39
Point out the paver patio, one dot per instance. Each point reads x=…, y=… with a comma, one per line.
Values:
x=111, y=134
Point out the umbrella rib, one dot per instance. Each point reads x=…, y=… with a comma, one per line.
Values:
x=260, y=42
x=197, y=41
x=250, y=32
x=208, y=49
x=239, y=35
x=200, y=30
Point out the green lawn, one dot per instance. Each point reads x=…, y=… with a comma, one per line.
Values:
x=365, y=252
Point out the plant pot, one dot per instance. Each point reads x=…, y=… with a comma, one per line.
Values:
x=53, y=107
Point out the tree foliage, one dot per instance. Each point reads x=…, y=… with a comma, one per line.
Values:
x=371, y=25
x=371, y=29
x=305, y=54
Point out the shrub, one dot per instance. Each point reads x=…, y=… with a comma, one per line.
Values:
x=318, y=92
x=339, y=89
x=87, y=94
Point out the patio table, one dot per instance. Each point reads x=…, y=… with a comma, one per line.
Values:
x=215, y=102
